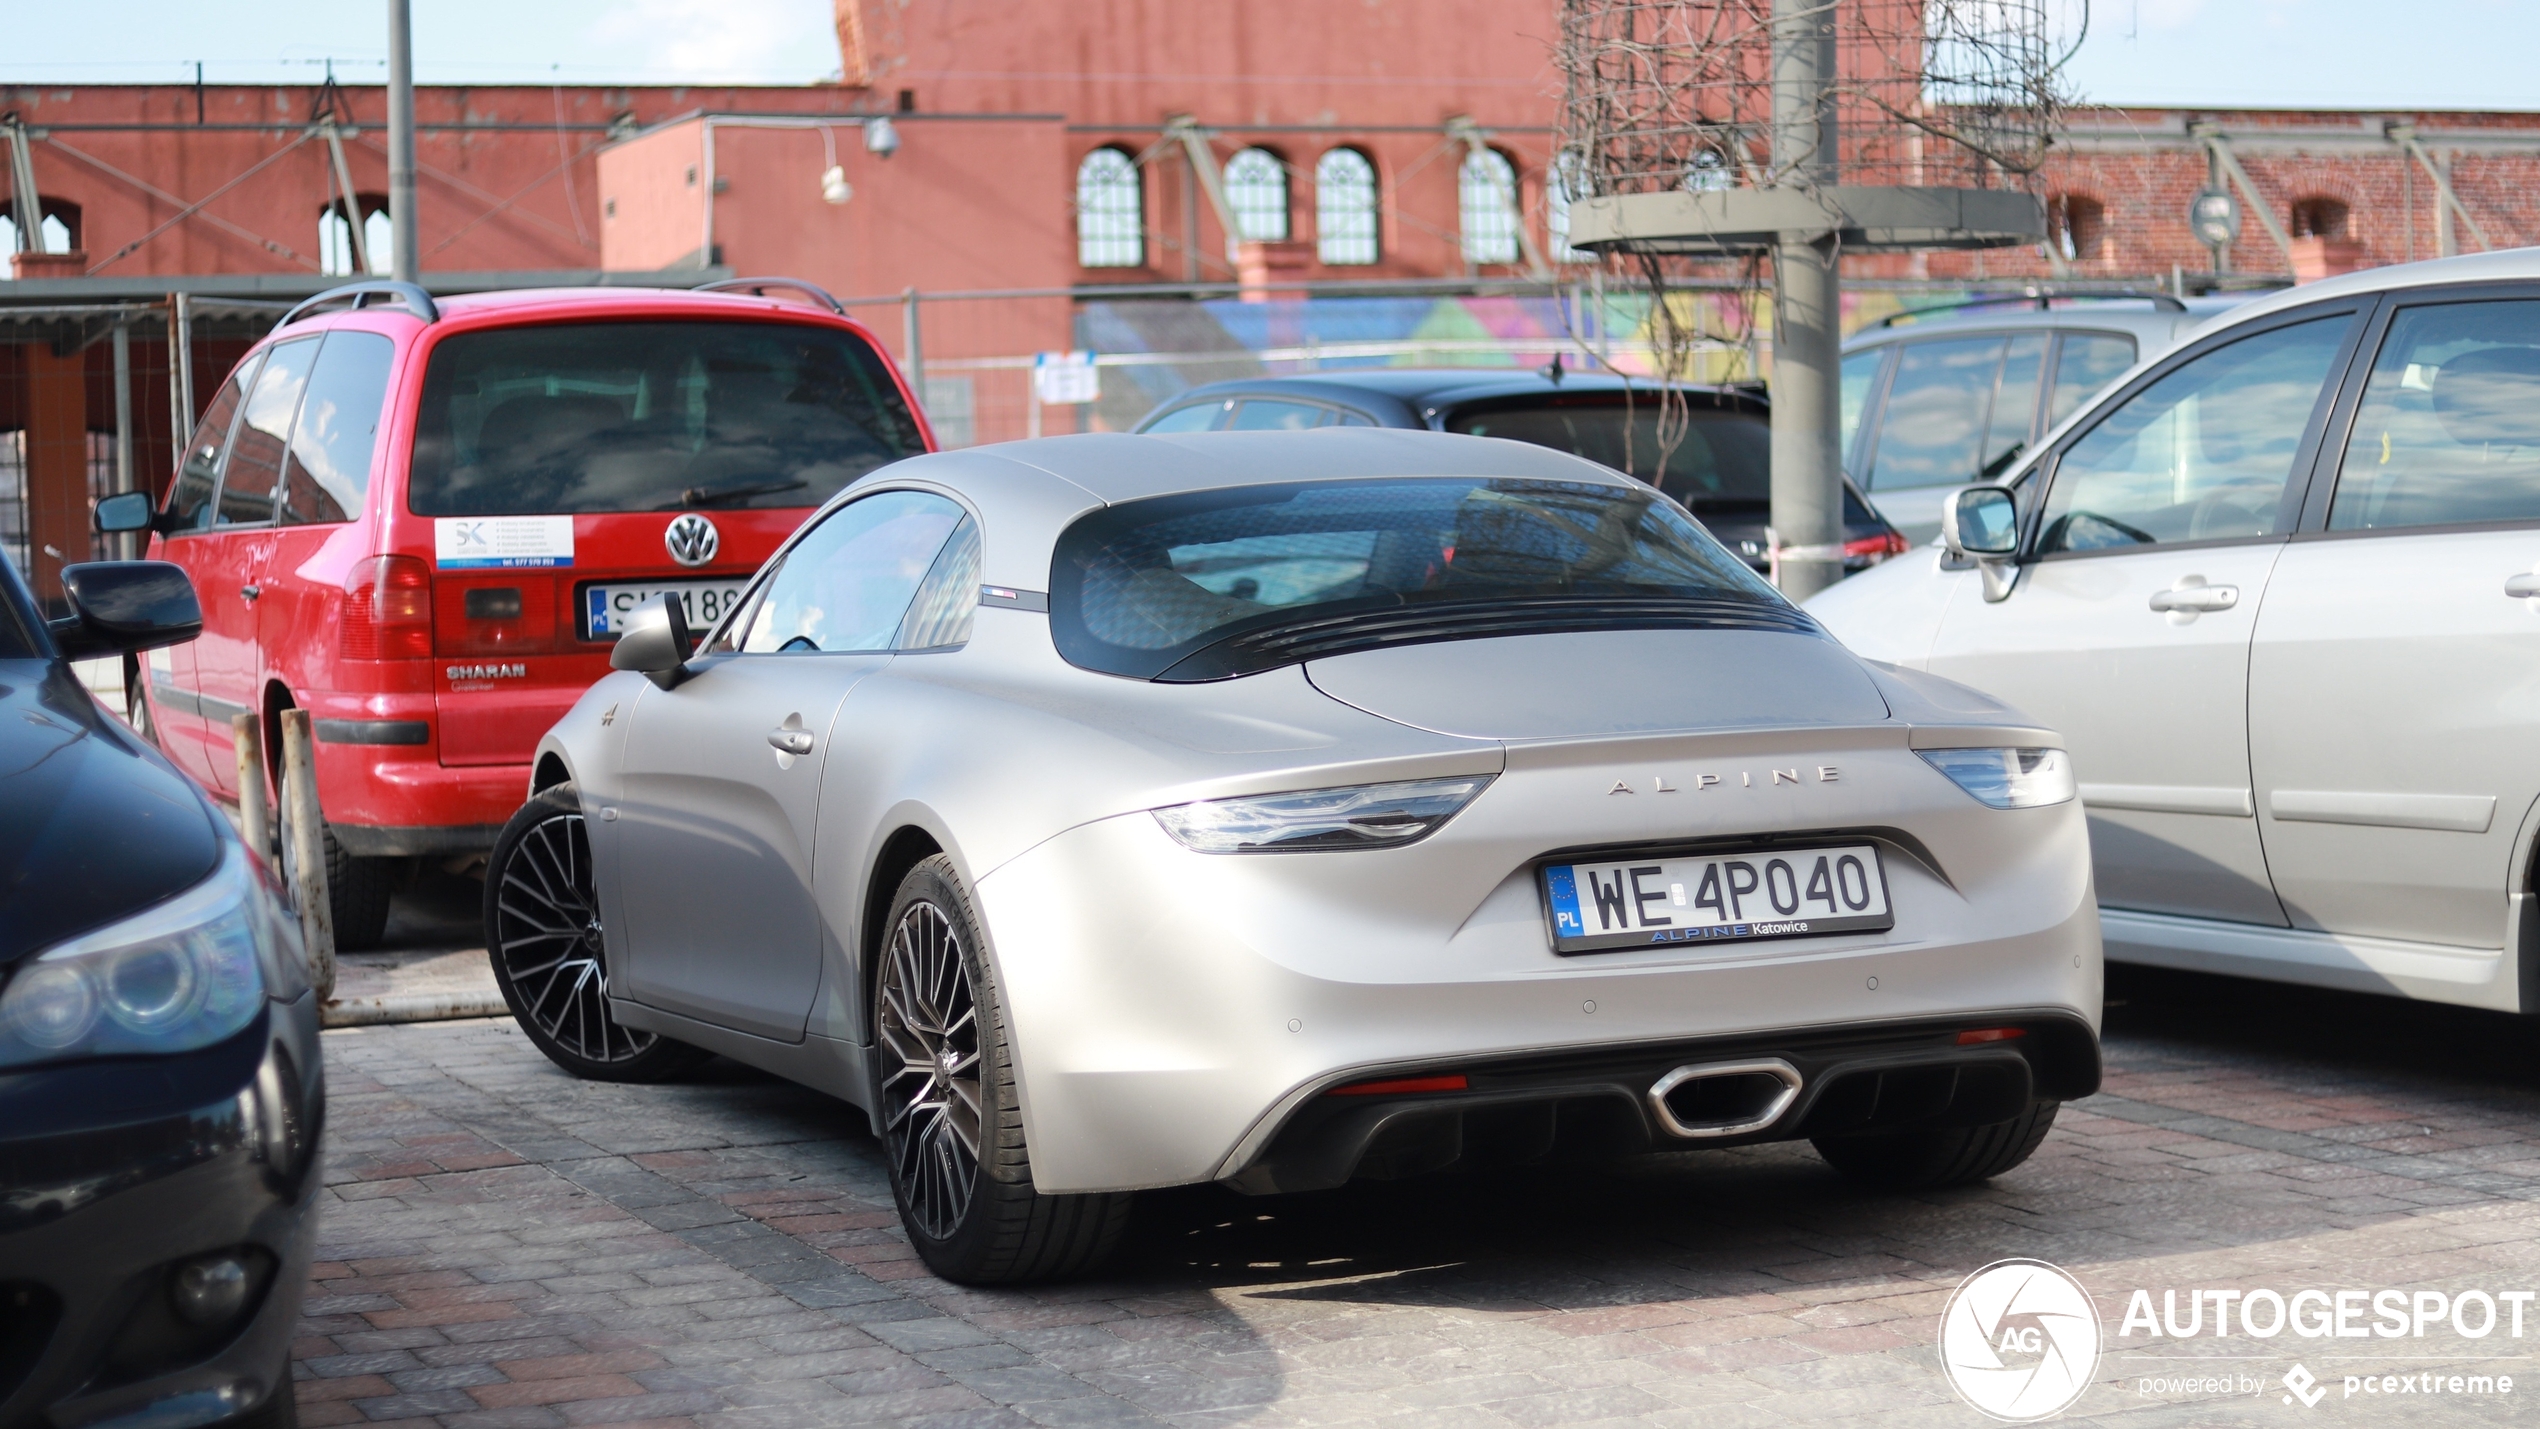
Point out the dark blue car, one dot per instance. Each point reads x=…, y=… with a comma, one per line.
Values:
x=1720, y=469
x=160, y=1089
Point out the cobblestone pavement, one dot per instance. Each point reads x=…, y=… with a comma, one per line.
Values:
x=502, y=1245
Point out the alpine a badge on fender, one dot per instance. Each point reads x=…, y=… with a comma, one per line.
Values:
x=692, y=540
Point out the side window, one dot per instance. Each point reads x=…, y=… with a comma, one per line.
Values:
x=198, y=476
x=1860, y=374
x=1932, y=429
x=328, y=468
x=264, y=431
x=939, y=618
x=2087, y=362
x=2006, y=434
x=1353, y=419
x=1259, y=414
x=2203, y=453
x=848, y=583
x=1198, y=417
x=2449, y=429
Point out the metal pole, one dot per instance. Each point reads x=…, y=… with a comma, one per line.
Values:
x=404, y=256
x=307, y=829
x=912, y=344
x=181, y=336
x=255, y=814
x=1807, y=312
x=123, y=425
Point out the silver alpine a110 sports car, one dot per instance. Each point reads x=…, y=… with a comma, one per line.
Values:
x=1112, y=812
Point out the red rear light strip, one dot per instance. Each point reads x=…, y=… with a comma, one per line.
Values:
x=387, y=610
x=1399, y=1086
x=1990, y=1034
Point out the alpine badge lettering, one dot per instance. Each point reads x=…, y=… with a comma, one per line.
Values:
x=461, y=543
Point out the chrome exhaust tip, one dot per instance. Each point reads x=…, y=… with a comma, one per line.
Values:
x=1740, y=1097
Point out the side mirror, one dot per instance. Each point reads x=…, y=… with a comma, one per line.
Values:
x=129, y=511
x=119, y=607
x=656, y=643
x=1981, y=525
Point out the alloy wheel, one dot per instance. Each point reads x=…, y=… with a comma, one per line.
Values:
x=547, y=942
x=931, y=1069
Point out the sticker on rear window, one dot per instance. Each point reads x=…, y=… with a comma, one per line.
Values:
x=476, y=542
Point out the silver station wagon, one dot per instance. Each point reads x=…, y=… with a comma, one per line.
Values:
x=2280, y=590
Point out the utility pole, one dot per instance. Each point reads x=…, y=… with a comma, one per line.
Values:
x=1807, y=309
x=404, y=259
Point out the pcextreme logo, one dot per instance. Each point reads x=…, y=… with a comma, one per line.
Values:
x=2019, y=1341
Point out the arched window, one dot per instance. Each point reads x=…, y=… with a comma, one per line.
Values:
x=1487, y=207
x=60, y=230
x=1561, y=183
x=1345, y=208
x=1257, y=190
x=2319, y=217
x=2076, y=224
x=335, y=242
x=1110, y=212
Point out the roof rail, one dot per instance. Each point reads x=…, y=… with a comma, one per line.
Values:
x=358, y=295
x=2043, y=298
x=759, y=286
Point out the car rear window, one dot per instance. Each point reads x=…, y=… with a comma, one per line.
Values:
x=1721, y=459
x=1217, y=583
x=651, y=416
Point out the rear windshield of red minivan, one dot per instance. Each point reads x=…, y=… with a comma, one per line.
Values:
x=651, y=416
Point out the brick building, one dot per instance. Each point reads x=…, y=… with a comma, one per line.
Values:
x=1072, y=158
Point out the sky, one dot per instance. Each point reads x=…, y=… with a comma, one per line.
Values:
x=2349, y=54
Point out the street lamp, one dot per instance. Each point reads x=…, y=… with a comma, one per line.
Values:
x=2214, y=217
x=881, y=137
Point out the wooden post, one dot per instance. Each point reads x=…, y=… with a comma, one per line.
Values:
x=254, y=814
x=306, y=829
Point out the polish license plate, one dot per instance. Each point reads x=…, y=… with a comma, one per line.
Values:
x=605, y=608
x=1735, y=897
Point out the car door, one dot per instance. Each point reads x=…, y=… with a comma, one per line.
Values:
x=720, y=780
x=236, y=553
x=2394, y=700
x=189, y=735
x=2128, y=627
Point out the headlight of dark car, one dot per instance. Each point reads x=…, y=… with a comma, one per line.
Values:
x=182, y=974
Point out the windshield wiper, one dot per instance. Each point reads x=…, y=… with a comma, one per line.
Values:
x=713, y=495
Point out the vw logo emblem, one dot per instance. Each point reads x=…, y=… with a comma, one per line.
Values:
x=692, y=540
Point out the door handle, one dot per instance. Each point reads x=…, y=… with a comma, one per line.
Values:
x=2523, y=585
x=2194, y=598
x=790, y=741
x=250, y=593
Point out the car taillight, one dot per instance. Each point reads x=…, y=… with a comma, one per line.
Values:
x=388, y=610
x=1879, y=547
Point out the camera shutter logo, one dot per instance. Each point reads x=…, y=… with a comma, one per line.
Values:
x=2020, y=1340
x=692, y=540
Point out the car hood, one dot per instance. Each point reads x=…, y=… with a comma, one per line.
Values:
x=93, y=823
x=1607, y=682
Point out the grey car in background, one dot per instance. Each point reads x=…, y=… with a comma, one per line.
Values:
x=1282, y=808
x=2278, y=588
x=1936, y=399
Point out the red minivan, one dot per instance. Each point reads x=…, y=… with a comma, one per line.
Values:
x=422, y=521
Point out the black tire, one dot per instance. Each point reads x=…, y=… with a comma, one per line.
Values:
x=542, y=933
x=951, y=1124
x=1941, y=1156
x=357, y=891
